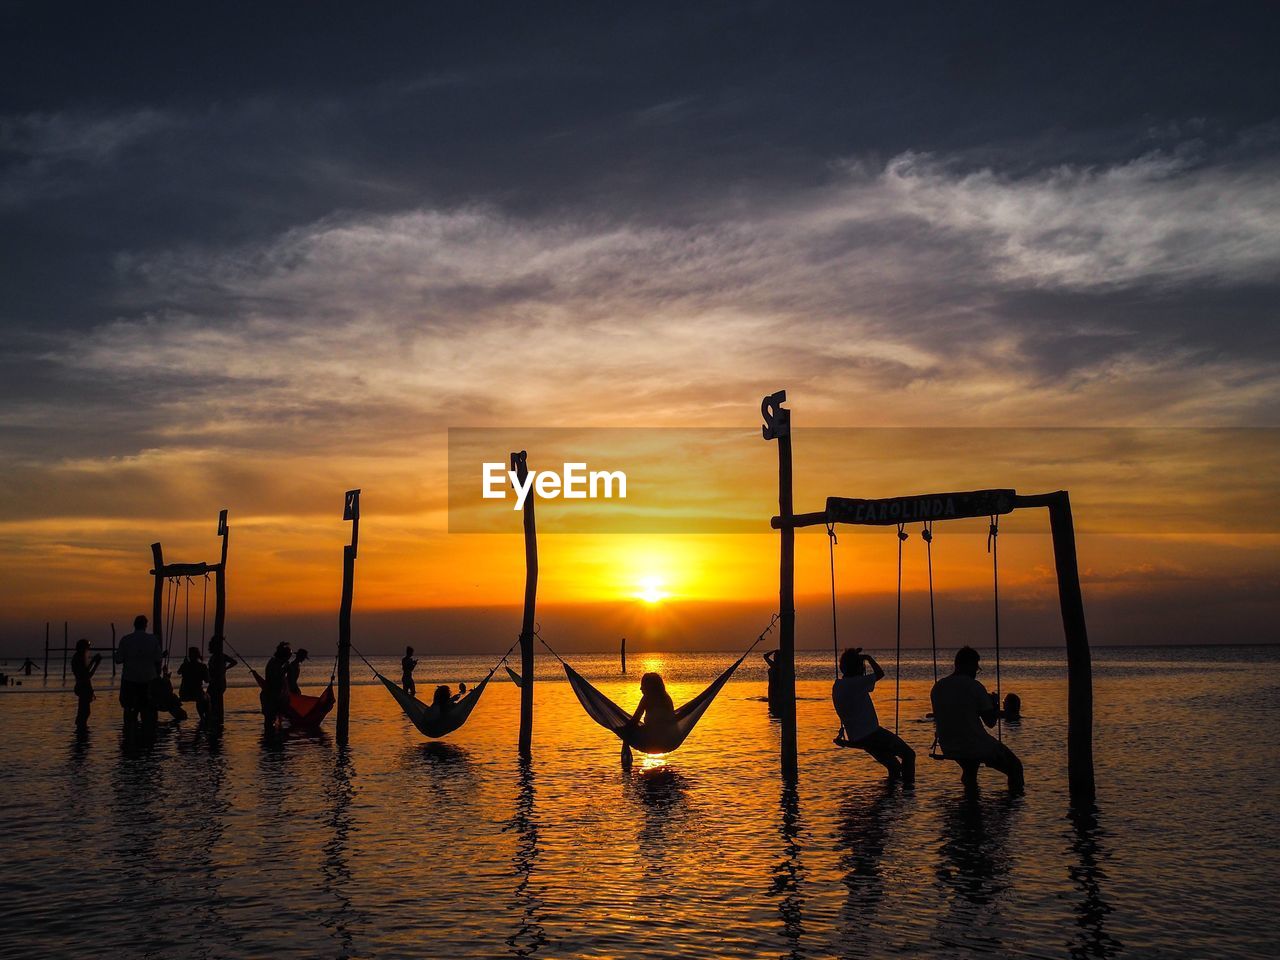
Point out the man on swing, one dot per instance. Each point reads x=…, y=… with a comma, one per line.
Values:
x=860, y=727
x=961, y=705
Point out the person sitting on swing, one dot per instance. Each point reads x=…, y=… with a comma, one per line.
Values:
x=961, y=706
x=860, y=727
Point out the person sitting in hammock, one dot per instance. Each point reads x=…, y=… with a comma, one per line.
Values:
x=444, y=698
x=860, y=727
x=654, y=709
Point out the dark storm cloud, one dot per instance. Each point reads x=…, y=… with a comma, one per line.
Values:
x=262, y=227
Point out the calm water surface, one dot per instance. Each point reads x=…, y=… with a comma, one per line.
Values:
x=400, y=847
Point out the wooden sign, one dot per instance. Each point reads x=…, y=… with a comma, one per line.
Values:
x=929, y=506
x=351, y=509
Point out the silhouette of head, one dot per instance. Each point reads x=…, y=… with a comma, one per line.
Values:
x=408, y=651
x=82, y=645
x=442, y=695
x=302, y=654
x=651, y=683
x=139, y=622
x=1012, y=706
x=967, y=661
x=851, y=662
x=195, y=654
x=215, y=643
x=283, y=650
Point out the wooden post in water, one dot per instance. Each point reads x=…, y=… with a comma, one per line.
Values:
x=777, y=426
x=220, y=580
x=157, y=594
x=350, y=511
x=624, y=654
x=46, y=651
x=520, y=464
x=1079, y=663
x=113, y=651
x=66, y=639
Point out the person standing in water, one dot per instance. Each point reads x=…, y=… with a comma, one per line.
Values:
x=771, y=661
x=654, y=709
x=27, y=666
x=961, y=707
x=294, y=670
x=860, y=726
x=407, y=663
x=218, y=664
x=139, y=654
x=83, y=668
x=275, y=687
x=194, y=674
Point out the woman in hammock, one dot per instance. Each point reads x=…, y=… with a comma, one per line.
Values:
x=655, y=709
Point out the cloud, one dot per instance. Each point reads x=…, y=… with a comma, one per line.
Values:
x=51, y=154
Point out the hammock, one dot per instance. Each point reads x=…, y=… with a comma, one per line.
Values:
x=431, y=720
x=649, y=737
x=515, y=677
x=302, y=710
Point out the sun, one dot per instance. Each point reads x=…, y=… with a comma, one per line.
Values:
x=650, y=590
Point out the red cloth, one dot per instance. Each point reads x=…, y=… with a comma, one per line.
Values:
x=302, y=710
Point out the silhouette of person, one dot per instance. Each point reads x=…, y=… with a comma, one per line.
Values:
x=83, y=668
x=1012, y=709
x=961, y=706
x=655, y=708
x=407, y=663
x=294, y=670
x=275, y=687
x=27, y=666
x=860, y=726
x=139, y=655
x=218, y=664
x=773, y=693
x=195, y=674
x=443, y=698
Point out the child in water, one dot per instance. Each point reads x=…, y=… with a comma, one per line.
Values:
x=83, y=668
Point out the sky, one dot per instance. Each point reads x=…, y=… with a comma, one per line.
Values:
x=257, y=255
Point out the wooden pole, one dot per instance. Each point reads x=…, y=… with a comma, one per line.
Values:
x=220, y=580
x=66, y=638
x=113, y=651
x=1079, y=663
x=777, y=426
x=157, y=595
x=351, y=511
x=46, y=651
x=520, y=464
x=624, y=654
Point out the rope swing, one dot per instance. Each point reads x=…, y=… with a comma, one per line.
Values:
x=993, y=534
x=835, y=636
x=897, y=658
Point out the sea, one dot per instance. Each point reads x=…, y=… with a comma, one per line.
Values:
x=253, y=846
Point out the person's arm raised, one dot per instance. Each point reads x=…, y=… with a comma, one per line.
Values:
x=875, y=667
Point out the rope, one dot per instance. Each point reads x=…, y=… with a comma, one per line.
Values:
x=376, y=673
x=927, y=536
x=992, y=540
x=186, y=621
x=204, y=606
x=897, y=660
x=835, y=636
